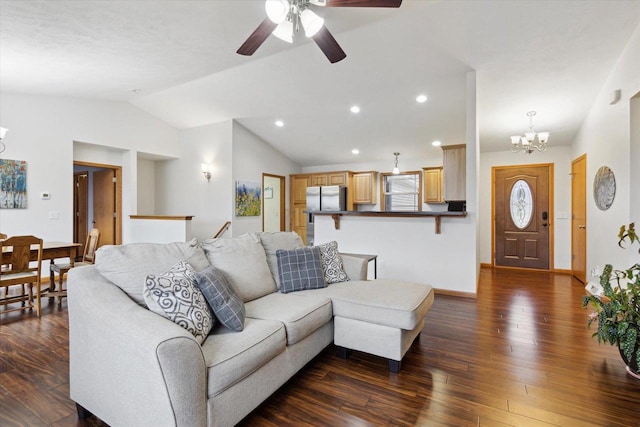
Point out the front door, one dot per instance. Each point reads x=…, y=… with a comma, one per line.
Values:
x=579, y=218
x=522, y=216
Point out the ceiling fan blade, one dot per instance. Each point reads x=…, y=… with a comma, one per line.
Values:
x=257, y=37
x=329, y=46
x=359, y=3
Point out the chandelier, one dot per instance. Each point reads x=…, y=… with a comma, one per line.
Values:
x=289, y=15
x=531, y=140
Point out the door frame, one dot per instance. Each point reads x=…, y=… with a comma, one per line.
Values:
x=573, y=162
x=283, y=219
x=118, y=173
x=551, y=214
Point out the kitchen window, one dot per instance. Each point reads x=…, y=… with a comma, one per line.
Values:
x=401, y=192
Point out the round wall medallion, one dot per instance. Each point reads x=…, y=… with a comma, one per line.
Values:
x=604, y=188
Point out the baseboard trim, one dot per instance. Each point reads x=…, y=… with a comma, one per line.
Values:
x=486, y=265
x=458, y=294
x=562, y=271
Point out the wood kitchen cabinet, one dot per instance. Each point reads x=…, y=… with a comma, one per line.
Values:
x=319, y=179
x=433, y=185
x=454, y=172
x=364, y=188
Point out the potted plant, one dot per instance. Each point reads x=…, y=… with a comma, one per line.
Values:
x=617, y=303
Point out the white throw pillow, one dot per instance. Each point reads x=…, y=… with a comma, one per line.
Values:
x=176, y=296
x=244, y=263
x=332, y=263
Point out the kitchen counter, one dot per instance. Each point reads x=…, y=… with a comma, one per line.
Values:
x=437, y=215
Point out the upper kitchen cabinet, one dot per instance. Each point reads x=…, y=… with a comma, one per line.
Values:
x=432, y=185
x=454, y=172
x=364, y=188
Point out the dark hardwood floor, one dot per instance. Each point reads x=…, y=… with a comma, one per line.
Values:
x=519, y=355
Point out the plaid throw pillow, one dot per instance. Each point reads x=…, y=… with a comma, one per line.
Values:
x=225, y=303
x=300, y=269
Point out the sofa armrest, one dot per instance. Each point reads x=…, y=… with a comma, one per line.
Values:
x=355, y=267
x=128, y=365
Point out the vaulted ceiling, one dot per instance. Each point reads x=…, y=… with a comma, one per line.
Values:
x=177, y=61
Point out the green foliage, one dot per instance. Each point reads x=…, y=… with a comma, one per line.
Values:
x=618, y=308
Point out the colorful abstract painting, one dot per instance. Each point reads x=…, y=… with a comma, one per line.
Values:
x=248, y=198
x=13, y=184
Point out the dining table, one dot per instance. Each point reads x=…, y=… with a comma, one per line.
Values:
x=50, y=251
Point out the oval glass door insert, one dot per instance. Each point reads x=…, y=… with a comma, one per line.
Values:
x=521, y=204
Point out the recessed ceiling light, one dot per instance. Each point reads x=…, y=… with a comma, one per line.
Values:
x=421, y=99
x=355, y=109
x=436, y=143
x=355, y=151
x=279, y=123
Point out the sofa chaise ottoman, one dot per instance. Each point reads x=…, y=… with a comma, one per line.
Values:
x=131, y=366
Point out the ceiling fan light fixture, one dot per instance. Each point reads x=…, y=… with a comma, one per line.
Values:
x=284, y=31
x=277, y=10
x=311, y=22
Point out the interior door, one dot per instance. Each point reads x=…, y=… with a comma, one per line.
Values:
x=273, y=212
x=104, y=205
x=80, y=207
x=522, y=216
x=579, y=218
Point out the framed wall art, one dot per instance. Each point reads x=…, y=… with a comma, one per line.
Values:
x=13, y=184
x=604, y=188
x=248, y=198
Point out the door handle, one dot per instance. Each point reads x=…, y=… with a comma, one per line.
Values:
x=582, y=227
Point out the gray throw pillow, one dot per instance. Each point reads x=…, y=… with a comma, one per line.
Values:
x=332, y=263
x=300, y=269
x=175, y=295
x=225, y=303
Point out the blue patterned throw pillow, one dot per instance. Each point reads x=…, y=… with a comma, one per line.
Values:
x=225, y=303
x=300, y=269
x=175, y=295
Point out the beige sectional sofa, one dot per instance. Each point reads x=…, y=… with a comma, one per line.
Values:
x=130, y=366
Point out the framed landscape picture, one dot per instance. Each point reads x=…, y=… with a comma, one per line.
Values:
x=13, y=184
x=248, y=198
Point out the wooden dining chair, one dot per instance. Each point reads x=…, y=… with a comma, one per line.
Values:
x=19, y=270
x=88, y=258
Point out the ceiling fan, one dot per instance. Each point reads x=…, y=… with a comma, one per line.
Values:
x=285, y=17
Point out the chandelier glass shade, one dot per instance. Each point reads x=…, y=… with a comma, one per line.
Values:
x=531, y=140
x=396, y=170
x=290, y=15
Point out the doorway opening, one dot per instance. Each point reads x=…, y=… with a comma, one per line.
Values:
x=522, y=212
x=97, y=202
x=273, y=207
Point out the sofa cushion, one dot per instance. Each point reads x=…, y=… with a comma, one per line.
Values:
x=243, y=261
x=332, y=263
x=223, y=300
x=127, y=266
x=174, y=295
x=232, y=356
x=300, y=269
x=271, y=242
x=394, y=303
x=301, y=316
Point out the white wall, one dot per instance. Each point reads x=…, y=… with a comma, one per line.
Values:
x=42, y=131
x=560, y=157
x=146, y=187
x=605, y=137
x=181, y=188
x=252, y=157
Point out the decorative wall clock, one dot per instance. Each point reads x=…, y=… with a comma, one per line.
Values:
x=604, y=188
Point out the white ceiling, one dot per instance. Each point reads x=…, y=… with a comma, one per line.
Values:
x=549, y=56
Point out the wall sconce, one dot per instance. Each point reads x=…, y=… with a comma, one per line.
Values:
x=3, y=131
x=206, y=170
